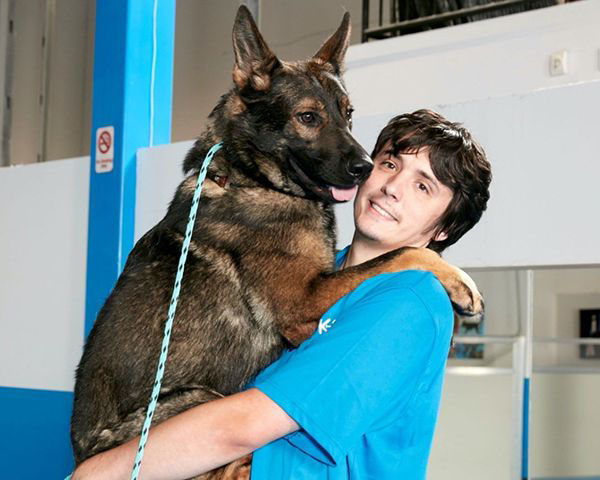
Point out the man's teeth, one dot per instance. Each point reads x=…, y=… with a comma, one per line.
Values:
x=381, y=211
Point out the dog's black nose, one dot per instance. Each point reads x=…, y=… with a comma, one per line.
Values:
x=360, y=169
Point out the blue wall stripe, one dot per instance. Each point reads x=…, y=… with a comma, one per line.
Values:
x=34, y=433
x=122, y=74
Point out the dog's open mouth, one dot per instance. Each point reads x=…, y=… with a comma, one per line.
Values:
x=326, y=192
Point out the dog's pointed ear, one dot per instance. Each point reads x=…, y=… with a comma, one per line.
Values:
x=334, y=49
x=254, y=60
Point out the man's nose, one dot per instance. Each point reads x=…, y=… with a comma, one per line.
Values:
x=394, y=187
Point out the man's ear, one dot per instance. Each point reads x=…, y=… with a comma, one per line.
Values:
x=440, y=237
x=254, y=60
x=334, y=49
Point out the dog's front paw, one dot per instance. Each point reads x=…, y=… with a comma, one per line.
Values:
x=461, y=288
x=464, y=295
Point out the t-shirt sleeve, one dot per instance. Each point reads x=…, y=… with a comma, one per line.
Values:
x=362, y=365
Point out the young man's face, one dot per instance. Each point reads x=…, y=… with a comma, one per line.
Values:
x=400, y=202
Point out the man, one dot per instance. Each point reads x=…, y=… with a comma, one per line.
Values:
x=359, y=399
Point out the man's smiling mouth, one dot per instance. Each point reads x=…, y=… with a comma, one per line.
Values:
x=384, y=213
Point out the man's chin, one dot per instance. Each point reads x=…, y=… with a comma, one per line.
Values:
x=368, y=235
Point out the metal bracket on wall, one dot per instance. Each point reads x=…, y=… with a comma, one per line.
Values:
x=46, y=44
x=7, y=51
x=413, y=16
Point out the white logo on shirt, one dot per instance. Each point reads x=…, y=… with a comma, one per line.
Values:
x=325, y=325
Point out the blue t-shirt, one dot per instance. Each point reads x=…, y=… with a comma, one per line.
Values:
x=365, y=388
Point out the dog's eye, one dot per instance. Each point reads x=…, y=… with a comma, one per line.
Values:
x=307, y=118
x=349, y=114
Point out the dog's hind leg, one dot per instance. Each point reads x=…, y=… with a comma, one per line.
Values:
x=166, y=407
x=237, y=470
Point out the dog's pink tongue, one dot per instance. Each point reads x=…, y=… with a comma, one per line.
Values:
x=343, y=194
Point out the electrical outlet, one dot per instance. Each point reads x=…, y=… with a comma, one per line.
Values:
x=558, y=63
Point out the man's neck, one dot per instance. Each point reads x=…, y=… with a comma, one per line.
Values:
x=361, y=252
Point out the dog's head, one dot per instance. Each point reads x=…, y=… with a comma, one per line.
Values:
x=292, y=121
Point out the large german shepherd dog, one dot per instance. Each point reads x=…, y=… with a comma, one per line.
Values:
x=259, y=273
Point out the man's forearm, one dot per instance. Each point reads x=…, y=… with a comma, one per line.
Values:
x=198, y=440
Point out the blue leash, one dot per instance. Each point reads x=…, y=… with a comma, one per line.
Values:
x=171, y=315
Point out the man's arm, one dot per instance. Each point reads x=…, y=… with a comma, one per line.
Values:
x=197, y=440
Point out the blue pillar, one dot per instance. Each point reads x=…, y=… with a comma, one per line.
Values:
x=123, y=72
x=525, y=430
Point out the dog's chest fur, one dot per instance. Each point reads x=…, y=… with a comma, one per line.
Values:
x=246, y=242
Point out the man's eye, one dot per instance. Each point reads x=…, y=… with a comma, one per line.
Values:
x=390, y=165
x=307, y=118
x=423, y=188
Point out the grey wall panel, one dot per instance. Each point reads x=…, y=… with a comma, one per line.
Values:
x=43, y=248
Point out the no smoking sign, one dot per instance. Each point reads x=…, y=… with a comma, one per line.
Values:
x=105, y=139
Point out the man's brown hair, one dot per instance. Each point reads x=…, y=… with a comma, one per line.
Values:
x=457, y=160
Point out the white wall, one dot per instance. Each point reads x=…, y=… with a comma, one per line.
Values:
x=43, y=249
x=473, y=435
x=565, y=425
x=474, y=439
